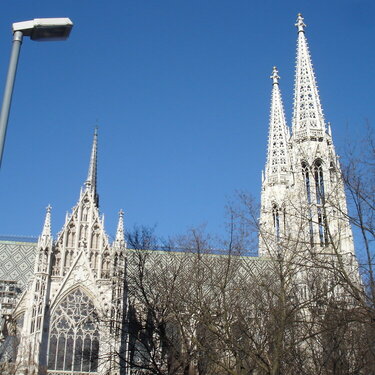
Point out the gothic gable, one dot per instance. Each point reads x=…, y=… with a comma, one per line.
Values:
x=83, y=231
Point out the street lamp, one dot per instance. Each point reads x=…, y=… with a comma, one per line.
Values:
x=41, y=29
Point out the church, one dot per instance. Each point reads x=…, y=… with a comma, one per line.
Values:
x=73, y=316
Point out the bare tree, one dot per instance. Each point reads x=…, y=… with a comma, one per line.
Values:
x=206, y=306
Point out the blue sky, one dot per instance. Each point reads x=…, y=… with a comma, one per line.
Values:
x=181, y=93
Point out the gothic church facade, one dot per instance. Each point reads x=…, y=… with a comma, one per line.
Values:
x=74, y=311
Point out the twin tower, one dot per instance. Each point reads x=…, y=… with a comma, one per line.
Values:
x=72, y=316
x=303, y=203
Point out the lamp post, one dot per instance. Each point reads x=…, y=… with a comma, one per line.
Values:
x=41, y=29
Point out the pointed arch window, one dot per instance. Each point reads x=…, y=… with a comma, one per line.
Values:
x=83, y=235
x=106, y=265
x=68, y=259
x=95, y=238
x=276, y=220
x=115, y=264
x=319, y=181
x=42, y=260
x=284, y=221
x=94, y=260
x=332, y=173
x=74, y=335
x=56, y=259
x=307, y=183
x=71, y=237
x=320, y=200
x=85, y=213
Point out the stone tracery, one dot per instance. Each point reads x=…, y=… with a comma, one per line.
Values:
x=74, y=335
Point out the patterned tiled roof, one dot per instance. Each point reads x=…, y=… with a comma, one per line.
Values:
x=17, y=260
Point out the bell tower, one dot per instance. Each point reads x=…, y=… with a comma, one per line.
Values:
x=276, y=179
x=303, y=198
x=317, y=191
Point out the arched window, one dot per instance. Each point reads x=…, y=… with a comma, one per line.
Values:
x=85, y=212
x=276, y=221
x=307, y=182
x=115, y=264
x=83, y=235
x=106, y=265
x=94, y=259
x=56, y=259
x=319, y=182
x=320, y=199
x=74, y=335
x=68, y=258
x=71, y=237
x=332, y=172
x=95, y=238
x=306, y=178
x=121, y=265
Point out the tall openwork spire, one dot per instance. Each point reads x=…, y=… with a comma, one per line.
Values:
x=277, y=155
x=91, y=176
x=46, y=236
x=120, y=236
x=308, y=119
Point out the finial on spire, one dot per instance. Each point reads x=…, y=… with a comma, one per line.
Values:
x=120, y=236
x=275, y=76
x=91, y=176
x=300, y=24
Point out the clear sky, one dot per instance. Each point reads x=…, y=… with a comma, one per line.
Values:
x=180, y=91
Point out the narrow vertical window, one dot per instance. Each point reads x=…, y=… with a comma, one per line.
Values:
x=284, y=222
x=319, y=182
x=276, y=221
x=307, y=182
x=306, y=177
x=320, y=200
x=106, y=265
x=322, y=227
x=56, y=263
x=332, y=173
x=85, y=212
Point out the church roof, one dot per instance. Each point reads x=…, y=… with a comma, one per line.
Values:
x=17, y=259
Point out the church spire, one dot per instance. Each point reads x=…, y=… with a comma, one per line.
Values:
x=120, y=236
x=277, y=155
x=46, y=236
x=308, y=119
x=91, y=176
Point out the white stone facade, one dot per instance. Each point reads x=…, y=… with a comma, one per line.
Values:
x=73, y=309
x=303, y=203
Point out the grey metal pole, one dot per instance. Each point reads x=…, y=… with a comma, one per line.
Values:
x=8, y=91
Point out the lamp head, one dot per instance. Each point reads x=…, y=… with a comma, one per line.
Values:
x=44, y=29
